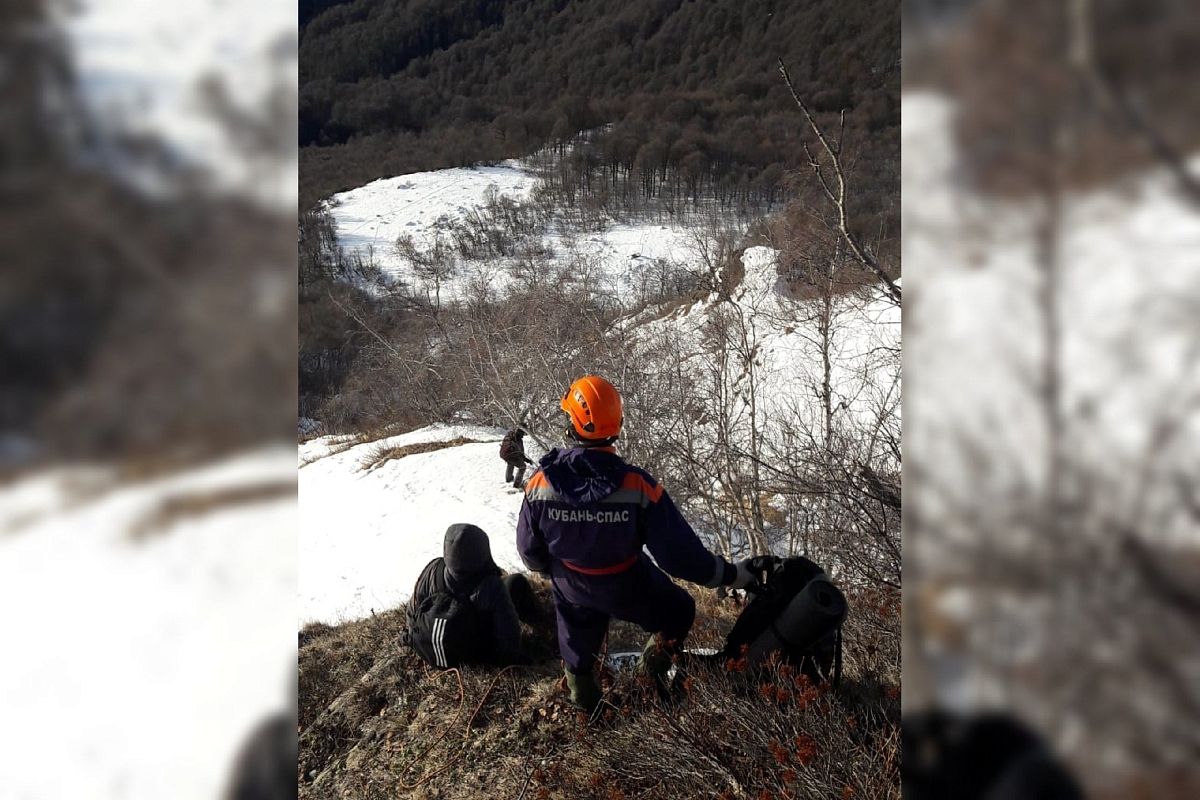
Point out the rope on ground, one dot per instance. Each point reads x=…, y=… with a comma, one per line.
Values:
x=466, y=734
x=462, y=701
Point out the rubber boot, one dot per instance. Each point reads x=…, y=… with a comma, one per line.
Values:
x=655, y=660
x=583, y=689
x=655, y=663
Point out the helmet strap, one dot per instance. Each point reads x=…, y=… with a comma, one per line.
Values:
x=574, y=437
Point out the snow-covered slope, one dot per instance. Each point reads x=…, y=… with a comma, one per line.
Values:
x=366, y=535
x=370, y=218
x=142, y=636
x=864, y=338
x=366, y=532
x=1127, y=313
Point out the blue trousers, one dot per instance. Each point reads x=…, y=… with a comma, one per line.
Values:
x=643, y=595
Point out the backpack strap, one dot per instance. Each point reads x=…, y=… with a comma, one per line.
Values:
x=431, y=581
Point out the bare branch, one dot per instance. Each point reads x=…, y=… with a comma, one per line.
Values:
x=837, y=193
x=1118, y=103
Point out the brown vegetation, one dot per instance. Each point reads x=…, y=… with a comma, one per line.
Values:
x=376, y=722
x=381, y=454
x=1090, y=90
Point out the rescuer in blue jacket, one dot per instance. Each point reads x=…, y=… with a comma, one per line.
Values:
x=584, y=521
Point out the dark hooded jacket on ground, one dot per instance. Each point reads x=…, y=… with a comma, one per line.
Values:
x=471, y=572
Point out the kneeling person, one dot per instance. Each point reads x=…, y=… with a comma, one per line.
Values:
x=463, y=609
x=586, y=518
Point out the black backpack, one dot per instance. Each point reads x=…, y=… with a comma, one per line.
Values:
x=819, y=658
x=951, y=756
x=444, y=628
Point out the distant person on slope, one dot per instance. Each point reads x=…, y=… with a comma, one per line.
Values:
x=512, y=450
x=585, y=519
x=464, y=610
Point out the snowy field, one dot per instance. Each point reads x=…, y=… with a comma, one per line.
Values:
x=1129, y=314
x=156, y=644
x=365, y=536
x=370, y=218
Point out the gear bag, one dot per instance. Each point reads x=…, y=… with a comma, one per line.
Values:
x=444, y=628
x=796, y=611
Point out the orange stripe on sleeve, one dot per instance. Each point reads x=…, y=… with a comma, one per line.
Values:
x=638, y=483
x=537, y=481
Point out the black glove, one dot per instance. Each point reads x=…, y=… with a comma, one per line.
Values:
x=745, y=574
x=764, y=565
x=753, y=573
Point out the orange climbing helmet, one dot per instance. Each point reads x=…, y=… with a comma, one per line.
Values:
x=594, y=406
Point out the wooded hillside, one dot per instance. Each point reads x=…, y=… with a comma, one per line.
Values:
x=687, y=90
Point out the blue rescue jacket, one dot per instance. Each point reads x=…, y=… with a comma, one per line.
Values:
x=591, y=512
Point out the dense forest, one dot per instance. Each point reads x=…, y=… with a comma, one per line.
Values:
x=674, y=93
x=646, y=108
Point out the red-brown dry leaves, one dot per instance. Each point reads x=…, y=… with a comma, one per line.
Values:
x=778, y=752
x=806, y=748
x=805, y=691
x=738, y=664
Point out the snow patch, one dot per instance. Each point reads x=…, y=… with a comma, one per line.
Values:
x=147, y=661
x=366, y=536
x=370, y=218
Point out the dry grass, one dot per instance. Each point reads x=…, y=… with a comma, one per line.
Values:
x=377, y=456
x=348, y=441
x=376, y=722
x=191, y=505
